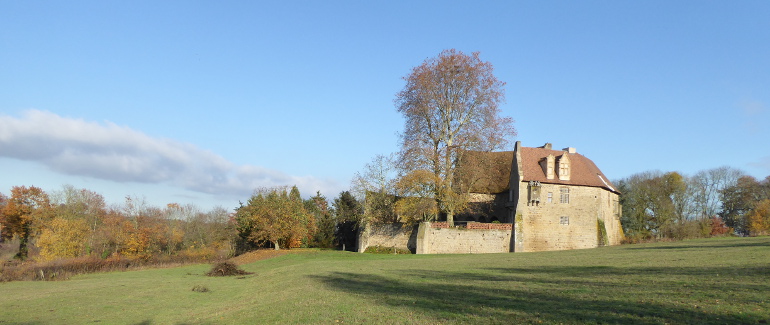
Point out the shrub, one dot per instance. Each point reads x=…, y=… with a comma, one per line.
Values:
x=200, y=288
x=386, y=250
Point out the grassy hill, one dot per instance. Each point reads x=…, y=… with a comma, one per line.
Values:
x=714, y=281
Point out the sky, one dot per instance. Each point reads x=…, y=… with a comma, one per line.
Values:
x=203, y=102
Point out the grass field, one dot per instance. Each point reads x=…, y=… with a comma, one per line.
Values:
x=714, y=281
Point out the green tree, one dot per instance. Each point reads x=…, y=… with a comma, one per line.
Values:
x=272, y=216
x=451, y=105
x=655, y=204
x=348, y=212
x=318, y=207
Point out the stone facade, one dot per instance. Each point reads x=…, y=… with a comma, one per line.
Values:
x=543, y=199
x=559, y=206
x=394, y=235
x=439, y=238
x=573, y=224
x=432, y=240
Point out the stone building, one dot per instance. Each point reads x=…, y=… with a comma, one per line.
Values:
x=555, y=199
x=525, y=200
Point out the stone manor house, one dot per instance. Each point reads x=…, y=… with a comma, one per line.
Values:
x=539, y=199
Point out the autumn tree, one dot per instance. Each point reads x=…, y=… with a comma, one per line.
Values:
x=414, y=204
x=740, y=200
x=450, y=104
x=759, y=219
x=375, y=186
x=26, y=211
x=3, y=202
x=272, y=216
x=72, y=204
x=63, y=238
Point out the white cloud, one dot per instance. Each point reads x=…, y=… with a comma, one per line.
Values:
x=111, y=152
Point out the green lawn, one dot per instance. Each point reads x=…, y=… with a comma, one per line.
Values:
x=715, y=281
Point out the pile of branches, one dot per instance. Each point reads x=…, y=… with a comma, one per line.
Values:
x=226, y=269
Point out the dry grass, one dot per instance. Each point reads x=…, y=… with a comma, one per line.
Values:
x=258, y=255
x=63, y=269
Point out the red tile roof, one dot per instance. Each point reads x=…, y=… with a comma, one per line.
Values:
x=489, y=172
x=583, y=171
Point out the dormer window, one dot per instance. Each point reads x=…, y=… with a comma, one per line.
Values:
x=548, y=166
x=564, y=167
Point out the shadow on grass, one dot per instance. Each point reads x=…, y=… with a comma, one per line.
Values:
x=710, y=245
x=471, y=297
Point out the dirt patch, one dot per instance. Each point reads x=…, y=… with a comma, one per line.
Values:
x=257, y=255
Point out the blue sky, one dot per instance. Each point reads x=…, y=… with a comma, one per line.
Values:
x=201, y=102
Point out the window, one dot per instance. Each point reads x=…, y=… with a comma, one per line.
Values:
x=564, y=195
x=550, y=197
x=564, y=221
x=563, y=169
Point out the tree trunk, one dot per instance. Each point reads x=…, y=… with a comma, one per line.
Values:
x=275, y=243
x=450, y=218
x=23, y=239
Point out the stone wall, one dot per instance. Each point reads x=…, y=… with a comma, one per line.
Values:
x=388, y=235
x=432, y=240
x=438, y=238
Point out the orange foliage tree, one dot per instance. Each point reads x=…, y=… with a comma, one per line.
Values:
x=27, y=210
x=450, y=104
x=759, y=219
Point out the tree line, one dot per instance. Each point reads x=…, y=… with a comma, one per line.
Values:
x=278, y=217
x=658, y=205
x=75, y=222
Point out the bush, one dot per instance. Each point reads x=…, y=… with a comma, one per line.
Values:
x=386, y=250
x=200, y=288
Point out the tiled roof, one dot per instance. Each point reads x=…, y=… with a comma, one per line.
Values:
x=490, y=172
x=486, y=172
x=583, y=171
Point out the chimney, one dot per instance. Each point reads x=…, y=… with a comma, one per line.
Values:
x=570, y=150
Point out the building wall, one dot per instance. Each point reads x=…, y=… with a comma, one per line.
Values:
x=542, y=227
x=432, y=240
x=387, y=235
x=486, y=208
x=427, y=239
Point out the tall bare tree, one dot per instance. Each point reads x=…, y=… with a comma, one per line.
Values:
x=451, y=105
